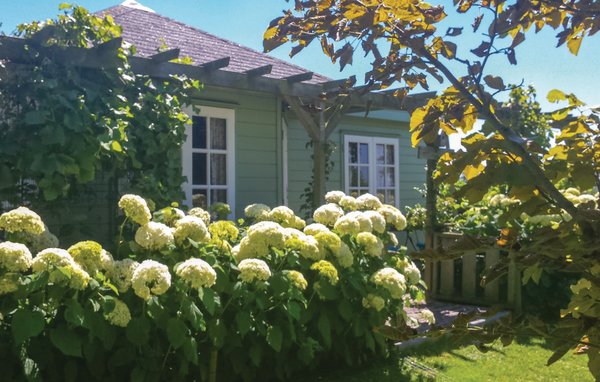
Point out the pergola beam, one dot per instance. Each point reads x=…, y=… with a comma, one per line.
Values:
x=260, y=71
x=168, y=55
x=216, y=64
x=306, y=76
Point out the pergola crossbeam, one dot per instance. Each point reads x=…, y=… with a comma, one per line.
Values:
x=306, y=76
x=260, y=71
x=216, y=64
x=168, y=55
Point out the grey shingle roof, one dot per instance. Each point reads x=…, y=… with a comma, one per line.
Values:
x=148, y=31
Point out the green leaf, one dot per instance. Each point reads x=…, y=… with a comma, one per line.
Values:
x=74, y=312
x=6, y=178
x=243, y=320
x=494, y=82
x=217, y=332
x=63, y=6
x=190, y=350
x=138, y=331
x=177, y=332
x=210, y=300
x=116, y=146
x=275, y=338
x=294, y=309
x=193, y=314
x=26, y=324
x=35, y=117
x=555, y=96
x=324, y=327
x=255, y=354
x=66, y=340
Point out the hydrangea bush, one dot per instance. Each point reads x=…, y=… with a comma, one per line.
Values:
x=186, y=296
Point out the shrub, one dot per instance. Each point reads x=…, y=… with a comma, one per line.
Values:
x=262, y=298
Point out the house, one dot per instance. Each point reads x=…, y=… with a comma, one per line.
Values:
x=244, y=147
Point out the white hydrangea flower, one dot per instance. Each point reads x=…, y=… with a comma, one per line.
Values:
x=268, y=233
x=257, y=211
x=391, y=280
x=282, y=215
x=198, y=273
x=328, y=214
x=347, y=225
x=191, y=227
x=585, y=198
x=121, y=273
x=50, y=259
x=409, y=270
x=334, y=196
x=393, y=239
x=88, y=254
x=120, y=315
x=373, y=301
x=200, y=213
x=348, y=203
x=135, y=208
x=363, y=220
x=572, y=191
x=393, y=216
x=172, y=215
x=14, y=257
x=372, y=245
x=368, y=202
x=377, y=221
x=22, y=219
x=9, y=283
x=150, y=278
x=307, y=246
x=154, y=236
x=106, y=261
x=314, y=228
x=297, y=279
x=344, y=256
x=254, y=270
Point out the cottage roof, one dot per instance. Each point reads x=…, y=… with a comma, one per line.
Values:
x=149, y=31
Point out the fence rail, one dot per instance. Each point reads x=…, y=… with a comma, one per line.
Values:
x=459, y=280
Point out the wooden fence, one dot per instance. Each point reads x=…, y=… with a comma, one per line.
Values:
x=459, y=280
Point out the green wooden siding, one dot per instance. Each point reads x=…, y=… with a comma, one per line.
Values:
x=412, y=169
x=257, y=144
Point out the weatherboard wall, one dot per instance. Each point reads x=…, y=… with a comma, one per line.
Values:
x=411, y=169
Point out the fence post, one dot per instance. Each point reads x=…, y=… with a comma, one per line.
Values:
x=491, y=289
x=447, y=278
x=514, y=286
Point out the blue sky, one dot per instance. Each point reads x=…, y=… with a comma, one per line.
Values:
x=244, y=21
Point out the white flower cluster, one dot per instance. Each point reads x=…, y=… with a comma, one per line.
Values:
x=121, y=272
x=154, y=236
x=88, y=254
x=372, y=245
x=285, y=217
x=22, y=219
x=150, y=278
x=200, y=213
x=373, y=301
x=576, y=197
x=297, y=279
x=328, y=214
x=252, y=270
x=191, y=227
x=391, y=280
x=120, y=315
x=409, y=270
x=198, y=273
x=257, y=212
x=14, y=257
x=70, y=273
x=135, y=208
x=259, y=238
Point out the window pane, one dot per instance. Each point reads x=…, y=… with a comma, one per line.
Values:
x=199, y=132
x=390, y=179
x=381, y=195
x=389, y=154
x=198, y=168
x=380, y=153
x=380, y=176
x=218, y=169
x=390, y=197
x=364, y=153
x=199, y=198
x=218, y=133
x=353, y=152
x=364, y=176
x=218, y=196
x=353, y=176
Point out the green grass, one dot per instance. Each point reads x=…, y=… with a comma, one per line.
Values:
x=444, y=361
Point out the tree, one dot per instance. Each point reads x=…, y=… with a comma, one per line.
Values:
x=407, y=47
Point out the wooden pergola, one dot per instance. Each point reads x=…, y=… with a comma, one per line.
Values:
x=318, y=106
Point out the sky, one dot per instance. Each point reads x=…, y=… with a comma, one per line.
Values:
x=244, y=21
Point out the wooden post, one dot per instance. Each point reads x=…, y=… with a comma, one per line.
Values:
x=319, y=176
x=469, y=276
x=447, y=278
x=430, y=205
x=514, y=286
x=491, y=289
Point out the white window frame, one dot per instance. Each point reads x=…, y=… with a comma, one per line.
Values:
x=372, y=142
x=188, y=150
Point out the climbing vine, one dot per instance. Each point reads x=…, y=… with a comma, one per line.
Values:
x=62, y=123
x=307, y=195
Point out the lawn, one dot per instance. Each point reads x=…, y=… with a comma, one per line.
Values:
x=443, y=361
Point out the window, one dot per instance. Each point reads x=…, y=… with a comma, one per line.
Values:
x=208, y=159
x=371, y=165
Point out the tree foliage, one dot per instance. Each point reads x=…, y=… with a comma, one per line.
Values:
x=408, y=46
